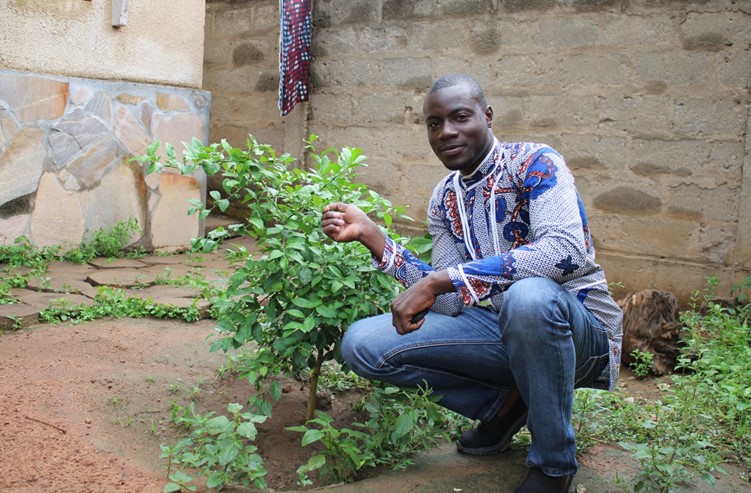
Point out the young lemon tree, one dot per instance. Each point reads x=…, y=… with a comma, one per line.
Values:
x=296, y=298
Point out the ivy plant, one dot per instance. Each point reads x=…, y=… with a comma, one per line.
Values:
x=295, y=298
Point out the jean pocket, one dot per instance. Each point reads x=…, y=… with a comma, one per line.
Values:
x=590, y=370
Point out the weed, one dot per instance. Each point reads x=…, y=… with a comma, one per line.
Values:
x=641, y=362
x=701, y=418
x=114, y=303
x=401, y=423
x=218, y=447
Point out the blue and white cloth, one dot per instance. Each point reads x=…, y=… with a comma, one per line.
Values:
x=518, y=215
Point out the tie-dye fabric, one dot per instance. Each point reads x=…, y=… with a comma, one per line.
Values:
x=524, y=218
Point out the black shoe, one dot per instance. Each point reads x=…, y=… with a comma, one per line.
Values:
x=493, y=437
x=539, y=482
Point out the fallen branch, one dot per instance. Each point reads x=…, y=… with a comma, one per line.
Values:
x=46, y=423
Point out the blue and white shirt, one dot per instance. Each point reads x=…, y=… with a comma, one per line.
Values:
x=517, y=216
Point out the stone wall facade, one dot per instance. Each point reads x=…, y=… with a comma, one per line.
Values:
x=65, y=167
x=648, y=101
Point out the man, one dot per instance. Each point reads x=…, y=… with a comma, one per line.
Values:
x=520, y=313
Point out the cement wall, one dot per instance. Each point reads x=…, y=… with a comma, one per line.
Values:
x=648, y=101
x=162, y=41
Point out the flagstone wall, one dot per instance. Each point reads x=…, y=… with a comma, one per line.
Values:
x=65, y=167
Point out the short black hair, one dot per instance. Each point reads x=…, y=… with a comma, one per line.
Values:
x=452, y=80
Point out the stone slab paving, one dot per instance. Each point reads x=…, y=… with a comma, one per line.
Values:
x=144, y=278
x=44, y=300
x=62, y=283
x=116, y=263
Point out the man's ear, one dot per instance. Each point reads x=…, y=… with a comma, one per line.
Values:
x=489, y=116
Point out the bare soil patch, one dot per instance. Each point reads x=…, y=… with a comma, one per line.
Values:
x=85, y=407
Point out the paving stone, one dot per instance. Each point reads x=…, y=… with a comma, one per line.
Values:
x=245, y=241
x=165, y=272
x=179, y=258
x=18, y=316
x=117, y=263
x=202, y=305
x=69, y=270
x=50, y=300
x=164, y=291
x=61, y=284
x=121, y=277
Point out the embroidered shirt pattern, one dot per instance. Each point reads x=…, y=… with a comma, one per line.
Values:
x=540, y=227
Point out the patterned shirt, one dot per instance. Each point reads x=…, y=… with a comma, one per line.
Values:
x=517, y=216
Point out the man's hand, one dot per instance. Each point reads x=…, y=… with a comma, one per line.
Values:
x=347, y=222
x=420, y=296
x=344, y=222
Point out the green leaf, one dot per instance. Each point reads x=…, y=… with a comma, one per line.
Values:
x=304, y=303
x=327, y=311
x=311, y=436
x=247, y=430
x=215, y=480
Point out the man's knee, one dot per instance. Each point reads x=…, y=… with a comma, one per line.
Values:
x=355, y=349
x=349, y=347
x=530, y=295
x=529, y=306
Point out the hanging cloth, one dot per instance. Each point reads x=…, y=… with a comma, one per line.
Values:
x=294, y=53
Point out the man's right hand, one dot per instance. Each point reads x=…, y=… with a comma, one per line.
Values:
x=346, y=222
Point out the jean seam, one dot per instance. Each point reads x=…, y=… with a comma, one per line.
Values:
x=454, y=342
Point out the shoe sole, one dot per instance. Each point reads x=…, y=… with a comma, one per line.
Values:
x=503, y=444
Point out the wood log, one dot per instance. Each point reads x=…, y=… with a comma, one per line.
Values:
x=650, y=324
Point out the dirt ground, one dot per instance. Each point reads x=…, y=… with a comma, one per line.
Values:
x=84, y=408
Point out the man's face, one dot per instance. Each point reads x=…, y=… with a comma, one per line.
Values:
x=458, y=128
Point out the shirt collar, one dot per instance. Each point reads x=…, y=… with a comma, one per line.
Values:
x=482, y=171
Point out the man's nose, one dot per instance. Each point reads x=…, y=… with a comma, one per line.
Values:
x=448, y=130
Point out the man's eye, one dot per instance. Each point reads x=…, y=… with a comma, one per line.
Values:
x=461, y=118
x=432, y=124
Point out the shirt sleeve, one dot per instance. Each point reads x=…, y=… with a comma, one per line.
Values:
x=403, y=265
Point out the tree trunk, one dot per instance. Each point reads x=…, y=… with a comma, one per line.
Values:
x=650, y=324
x=315, y=372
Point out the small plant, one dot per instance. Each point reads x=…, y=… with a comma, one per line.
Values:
x=742, y=291
x=218, y=447
x=104, y=243
x=641, y=362
x=344, y=453
x=295, y=299
x=401, y=423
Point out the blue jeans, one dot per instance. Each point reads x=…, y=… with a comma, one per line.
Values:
x=543, y=341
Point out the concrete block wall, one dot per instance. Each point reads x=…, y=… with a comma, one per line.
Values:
x=648, y=101
x=241, y=69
